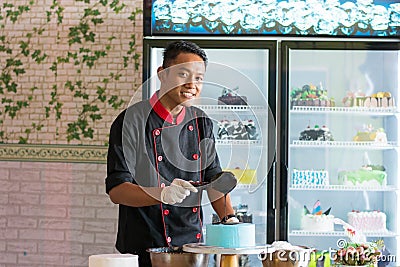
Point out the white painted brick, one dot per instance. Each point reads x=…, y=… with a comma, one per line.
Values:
x=76, y=188
x=7, y=233
x=80, y=237
x=66, y=224
x=20, y=198
x=98, y=201
x=97, y=249
x=99, y=226
x=105, y=238
x=76, y=260
x=43, y=211
x=8, y=258
x=8, y=186
x=61, y=200
x=21, y=222
x=107, y=213
x=24, y=175
x=32, y=187
x=49, y=247
x=81, y=212
x=9, y=210
x=50, y=259
x=40, y=234
x=22, y=246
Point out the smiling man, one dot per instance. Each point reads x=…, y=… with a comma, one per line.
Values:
x=157, y=148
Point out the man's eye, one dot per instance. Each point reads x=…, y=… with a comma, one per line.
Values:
x=183, y=74
x=199, y=79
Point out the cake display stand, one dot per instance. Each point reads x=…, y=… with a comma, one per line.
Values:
x=228, y=255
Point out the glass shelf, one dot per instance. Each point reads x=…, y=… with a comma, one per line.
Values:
x=389, y=111
x=344, y=144
x=220, y=109
x=341, y=233
x=252, y=143
x=342, y=188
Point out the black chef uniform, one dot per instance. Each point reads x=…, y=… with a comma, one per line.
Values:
x=147, y=147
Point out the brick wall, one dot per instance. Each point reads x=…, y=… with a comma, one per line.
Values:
x=57, y=214
x=54, y=214
x=54, y=41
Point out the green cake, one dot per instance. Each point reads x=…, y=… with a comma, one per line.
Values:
x=371, y=175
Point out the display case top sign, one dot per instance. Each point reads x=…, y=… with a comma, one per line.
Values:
x=273, y=17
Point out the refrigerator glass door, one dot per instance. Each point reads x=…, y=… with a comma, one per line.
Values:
x=244, y=133
x=343, y=143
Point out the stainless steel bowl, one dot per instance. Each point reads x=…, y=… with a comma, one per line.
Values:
x=175, y=257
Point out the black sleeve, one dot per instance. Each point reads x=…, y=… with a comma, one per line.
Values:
x=117, y=169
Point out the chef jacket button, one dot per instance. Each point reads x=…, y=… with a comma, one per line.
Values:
x=162, y=185
x=159, y=158
x=195, y=156
x=166, y=212
x=190, y=127
x=198, y=236
x=157, y=132
x=169, y=239
x=194, y=209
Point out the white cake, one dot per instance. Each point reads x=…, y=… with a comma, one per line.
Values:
x=113, y=260
x=367, y=221
x=231, y=235
x=317, y=223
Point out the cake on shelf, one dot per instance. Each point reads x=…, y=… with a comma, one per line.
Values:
x=310, y=95
x=237, y=130
x=310, y=177
x=369, y=134
x=244, y=176
x=368, y=175
x=231, y=97
x=376, y=100
x=316, y=134
x=367, y=221
x=316, y=220
x=238, y=235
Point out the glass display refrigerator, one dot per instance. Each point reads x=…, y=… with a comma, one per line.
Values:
x=310, y=67
x=340, y=140
x=236, y=95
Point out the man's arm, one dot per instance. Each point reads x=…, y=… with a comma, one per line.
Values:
x=136, y=196
x=221, y=205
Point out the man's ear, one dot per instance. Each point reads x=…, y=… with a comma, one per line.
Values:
x=161, y=73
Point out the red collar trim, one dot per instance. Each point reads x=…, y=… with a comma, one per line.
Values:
x=163, y=112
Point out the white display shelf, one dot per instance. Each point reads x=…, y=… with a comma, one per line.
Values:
x=341, y=233
x=231, y=108
x=354, y=110
x=342, y=188
x=344, y=144
x=227, y=142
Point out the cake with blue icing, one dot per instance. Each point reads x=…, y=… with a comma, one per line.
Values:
x=231, y=235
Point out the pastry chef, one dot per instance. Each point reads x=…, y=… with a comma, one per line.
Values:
x=157, y=149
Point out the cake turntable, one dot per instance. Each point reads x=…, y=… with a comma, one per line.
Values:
x=228, y=255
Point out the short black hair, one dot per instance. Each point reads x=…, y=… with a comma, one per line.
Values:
x=173, y=49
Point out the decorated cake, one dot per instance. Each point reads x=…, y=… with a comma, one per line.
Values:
x=237, y=130
x=231, y=97
x=368, y=175
x=359, y=99
x=113, y=260
x=367, y=221
x=310, y=95
x=369, y=134
x=316, y=134
x=317, y=221
x=231, y=235
x=310, y=177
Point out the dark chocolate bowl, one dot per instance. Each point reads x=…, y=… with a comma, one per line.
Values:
x=175, y=257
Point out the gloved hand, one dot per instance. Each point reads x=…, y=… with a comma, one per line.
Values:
x=177, y=191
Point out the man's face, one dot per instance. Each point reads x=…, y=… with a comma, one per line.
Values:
x=182, y=81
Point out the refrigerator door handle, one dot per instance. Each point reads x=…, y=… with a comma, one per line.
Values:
x=274, y=185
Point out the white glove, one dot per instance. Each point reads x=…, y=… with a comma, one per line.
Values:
x=177, y=191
